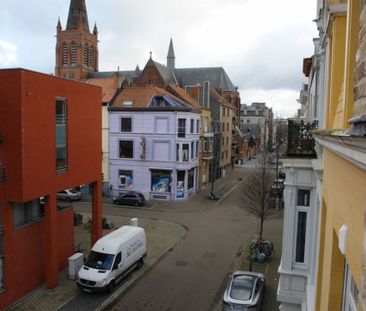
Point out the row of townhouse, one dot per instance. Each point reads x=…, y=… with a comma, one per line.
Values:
x=323, y=265
x=156, y=135
x=208, y=93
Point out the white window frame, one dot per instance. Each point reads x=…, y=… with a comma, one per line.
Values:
x=349, y=302
x=307, y=210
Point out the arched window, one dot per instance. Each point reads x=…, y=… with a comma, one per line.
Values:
x=92, y=56
x=73, y=53
x=86, y=55
x=65, y=53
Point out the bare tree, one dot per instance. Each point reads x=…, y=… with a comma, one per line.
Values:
x=257, y=192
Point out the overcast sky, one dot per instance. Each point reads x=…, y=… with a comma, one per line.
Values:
x=260, y=43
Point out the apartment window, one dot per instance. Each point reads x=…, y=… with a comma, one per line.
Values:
x=303, y=197
x=302, y=211
x=181, y=127
x=191, y=178
x=350, y=291
x=126, y=149
x=227, y=126
x=300, y=237
x=185, y=152
x=61, y=135
x=192, y=126
x=197, y=126
x=125, y=179
x=206, y=125
x=192, y=150
x=205, y=144
x=126, y=124
x=26, y=213
x=197, y=148
x=177, y=159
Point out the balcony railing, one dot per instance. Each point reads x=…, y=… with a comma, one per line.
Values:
x=300, y=142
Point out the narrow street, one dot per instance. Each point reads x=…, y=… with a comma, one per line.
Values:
x=193, y=274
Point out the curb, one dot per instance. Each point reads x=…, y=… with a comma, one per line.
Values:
x=112, y=299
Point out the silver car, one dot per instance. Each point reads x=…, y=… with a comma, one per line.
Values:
x=69, y=195
x=244, y=292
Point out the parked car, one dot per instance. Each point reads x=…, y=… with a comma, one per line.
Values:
x=244, y=291
x=130, y=198
x=69, y=195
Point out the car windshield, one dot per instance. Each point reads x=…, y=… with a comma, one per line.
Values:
x=100, y=261
x=242, y=287
x=74, y=191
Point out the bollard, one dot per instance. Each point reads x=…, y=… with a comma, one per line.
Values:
x=134, y=222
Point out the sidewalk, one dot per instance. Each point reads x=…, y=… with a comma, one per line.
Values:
x=161, y=236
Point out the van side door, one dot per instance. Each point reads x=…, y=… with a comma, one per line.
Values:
x=117, y=265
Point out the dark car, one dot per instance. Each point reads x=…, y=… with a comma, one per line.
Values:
x=244, y=291
x=130, y=198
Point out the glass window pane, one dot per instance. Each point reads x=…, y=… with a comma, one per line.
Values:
x=126, y=149
x=303, y=197
x=301, y=237
x=126, y=124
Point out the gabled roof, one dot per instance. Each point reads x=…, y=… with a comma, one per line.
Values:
x=184, y=95
x=128, y=74
x=216, y=97
x=216, y=75
x=165, y=73
x=108, y=86
x=139, y=96
x=146, y=98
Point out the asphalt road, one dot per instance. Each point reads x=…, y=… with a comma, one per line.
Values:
x=193, y=275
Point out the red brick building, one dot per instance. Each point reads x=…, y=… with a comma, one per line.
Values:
x=76, y=47
x=50, y=140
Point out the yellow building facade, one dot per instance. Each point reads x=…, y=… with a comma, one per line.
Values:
x=341, y=279
x=206, y=149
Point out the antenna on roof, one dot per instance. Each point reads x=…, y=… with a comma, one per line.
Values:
x=150, y=54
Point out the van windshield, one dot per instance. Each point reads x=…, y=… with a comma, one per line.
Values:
x=100, y=261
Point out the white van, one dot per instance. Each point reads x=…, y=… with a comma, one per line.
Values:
x=112, y=257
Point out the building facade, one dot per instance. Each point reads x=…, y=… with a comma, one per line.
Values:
x=44, y=122
x=341, y=265
x=336, y=97
x=154, y=144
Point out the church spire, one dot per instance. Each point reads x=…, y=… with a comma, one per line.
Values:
x=78, y=16
x=171, y=56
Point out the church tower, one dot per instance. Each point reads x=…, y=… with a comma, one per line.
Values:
x=76, y=46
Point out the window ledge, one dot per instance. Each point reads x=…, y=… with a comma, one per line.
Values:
x=350, y=148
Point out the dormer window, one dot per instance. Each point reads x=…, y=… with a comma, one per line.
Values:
x=127, y=103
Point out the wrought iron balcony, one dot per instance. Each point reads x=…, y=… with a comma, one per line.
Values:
x=300, y=141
